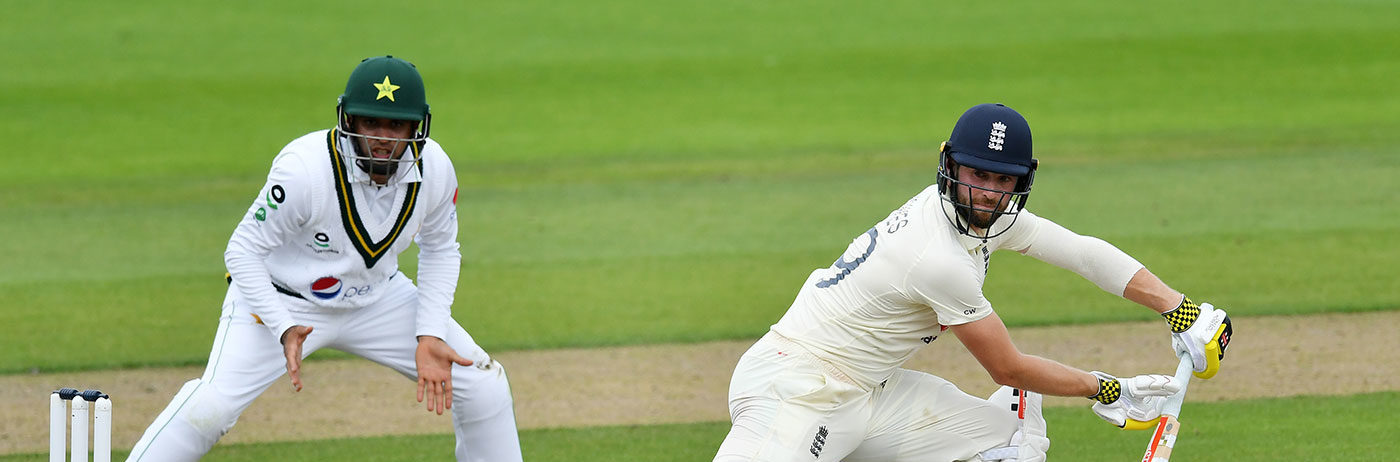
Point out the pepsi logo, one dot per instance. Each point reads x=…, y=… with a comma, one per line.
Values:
x=326, y=288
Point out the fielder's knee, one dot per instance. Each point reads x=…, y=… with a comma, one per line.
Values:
x=191, y=424
x=206, y=411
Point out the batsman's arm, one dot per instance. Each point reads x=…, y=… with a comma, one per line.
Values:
x=1197, y=329
x=1148, y=290
x=1091, y=258
x=990, y=343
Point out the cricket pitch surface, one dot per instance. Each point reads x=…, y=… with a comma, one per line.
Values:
x=1272, y=356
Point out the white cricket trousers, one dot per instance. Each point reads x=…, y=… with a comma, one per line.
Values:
x=247, y=358
x=787, y=405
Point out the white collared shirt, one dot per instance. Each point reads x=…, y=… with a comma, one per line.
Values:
x=320, y=229
x=895, y=289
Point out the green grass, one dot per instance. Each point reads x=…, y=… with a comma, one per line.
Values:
x=701, y=256
x=641, y=172
x=638, y=173
x=1321, y=429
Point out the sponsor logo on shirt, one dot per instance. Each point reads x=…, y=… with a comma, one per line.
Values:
x=321, y=243
x=326, y=288
x=330, y=287
x=931, y=338
x=274, y=196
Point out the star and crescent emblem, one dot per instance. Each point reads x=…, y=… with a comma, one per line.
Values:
x=386, y=89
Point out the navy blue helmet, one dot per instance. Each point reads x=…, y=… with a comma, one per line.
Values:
x=992, y=138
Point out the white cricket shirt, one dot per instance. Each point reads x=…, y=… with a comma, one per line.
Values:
x=320, y=235
x=901, y=282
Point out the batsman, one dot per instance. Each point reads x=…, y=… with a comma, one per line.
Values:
x=313, y=264
x=826, y=382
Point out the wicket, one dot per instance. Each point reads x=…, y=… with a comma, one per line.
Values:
x=101, y=405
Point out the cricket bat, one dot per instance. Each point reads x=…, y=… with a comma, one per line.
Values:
x=1164, y=437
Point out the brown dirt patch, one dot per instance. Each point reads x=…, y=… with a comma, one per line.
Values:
x=1334, y=354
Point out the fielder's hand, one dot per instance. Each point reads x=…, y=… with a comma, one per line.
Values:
x=292, y=338
x=1138, y=398
x=435, y=359
x=1201, y=331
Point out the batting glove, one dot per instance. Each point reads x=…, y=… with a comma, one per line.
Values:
x=1201, y=331
x=1139, y=398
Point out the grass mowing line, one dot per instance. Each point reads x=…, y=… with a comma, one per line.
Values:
x=1257, y=277
x=870, y=78
x=1249, y=273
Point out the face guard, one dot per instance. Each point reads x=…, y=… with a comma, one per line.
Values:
x=358, y=151
x=964, y=216
x=383, y=87
x=991, y=138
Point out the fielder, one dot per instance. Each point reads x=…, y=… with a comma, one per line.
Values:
x=825, y=383
x=314, y=264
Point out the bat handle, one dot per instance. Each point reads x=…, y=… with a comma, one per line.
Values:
x=1164, y=438
x=1172, y=405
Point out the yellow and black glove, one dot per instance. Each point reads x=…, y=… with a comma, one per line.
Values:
x=1135, y=398
x=1201, y=331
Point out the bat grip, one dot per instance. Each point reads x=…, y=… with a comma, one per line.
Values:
x=1172, y=405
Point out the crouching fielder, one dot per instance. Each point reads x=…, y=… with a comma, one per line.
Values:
x=314, y=264
x=825, y=383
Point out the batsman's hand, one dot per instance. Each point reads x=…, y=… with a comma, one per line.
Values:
x=292, y=338
x=435, y=359
x=1202, y=332
x=1139, y=398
